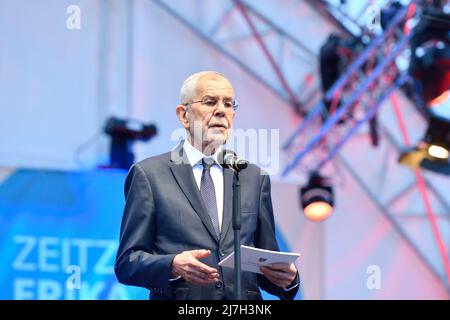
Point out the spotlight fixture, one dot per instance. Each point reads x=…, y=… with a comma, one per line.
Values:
x=430, y=69
x=330, y=63
x=336, y=55
x=437, y=138
x=430, y=56
x=317, y=198
x=432, y=153
x=388, y=13
x=123, y=133
x=437, y=152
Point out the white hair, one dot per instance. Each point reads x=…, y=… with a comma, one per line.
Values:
x=189, y=87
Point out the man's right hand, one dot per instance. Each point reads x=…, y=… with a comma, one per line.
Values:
x=186, y=265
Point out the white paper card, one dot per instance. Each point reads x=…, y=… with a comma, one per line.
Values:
x=254, y=258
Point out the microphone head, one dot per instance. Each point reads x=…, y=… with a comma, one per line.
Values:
x=240, y=164
x=226, y=158
x=229, y=160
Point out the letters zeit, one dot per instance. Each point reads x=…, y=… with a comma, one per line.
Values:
x=53, y=255
x=226, y=310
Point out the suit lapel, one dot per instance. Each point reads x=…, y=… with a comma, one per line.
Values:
x=182, y=171
x=227, y=202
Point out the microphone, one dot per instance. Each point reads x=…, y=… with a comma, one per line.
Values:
x=229, y=160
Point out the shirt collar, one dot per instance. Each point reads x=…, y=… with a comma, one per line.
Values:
x=195, y=156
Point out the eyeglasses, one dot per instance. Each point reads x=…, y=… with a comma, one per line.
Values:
x=211, y=103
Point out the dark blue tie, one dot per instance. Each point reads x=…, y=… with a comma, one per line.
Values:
x=208, y=193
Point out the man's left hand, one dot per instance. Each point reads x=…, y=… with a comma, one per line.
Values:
x=280, y=274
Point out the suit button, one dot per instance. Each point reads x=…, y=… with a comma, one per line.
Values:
x=221, y=253
x=219, y=284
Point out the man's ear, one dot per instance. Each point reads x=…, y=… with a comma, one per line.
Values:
x=182, y=115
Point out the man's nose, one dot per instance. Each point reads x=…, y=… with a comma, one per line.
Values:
x=220, y=109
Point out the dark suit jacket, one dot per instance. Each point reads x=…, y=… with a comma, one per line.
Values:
x=164, y=215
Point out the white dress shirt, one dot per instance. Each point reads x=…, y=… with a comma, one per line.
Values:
x=195, y=157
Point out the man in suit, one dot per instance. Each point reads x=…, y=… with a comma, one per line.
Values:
x=176, y=225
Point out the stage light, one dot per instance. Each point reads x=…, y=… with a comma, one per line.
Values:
x=438, y=152
x=330, y=62
x=439, y=100
x=430, y=56
x=318, y=211
x=389, y=12
x=430, y=69
x=335, y=54
x=438, y=137
x=123, y=133
x=432, y=153
x=317, y=198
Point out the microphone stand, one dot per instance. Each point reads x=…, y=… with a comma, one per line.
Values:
x=236, y=165
x=237, y=234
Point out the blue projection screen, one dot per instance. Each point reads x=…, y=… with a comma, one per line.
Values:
x=59, y=234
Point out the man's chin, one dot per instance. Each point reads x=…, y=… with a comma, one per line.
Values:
x=216, y=137
x=216, y=140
